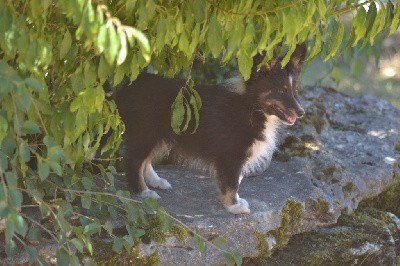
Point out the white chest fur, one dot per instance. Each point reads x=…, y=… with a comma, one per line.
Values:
x=261, y=150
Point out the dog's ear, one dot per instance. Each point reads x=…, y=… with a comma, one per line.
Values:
x=258, y=58
x=298, y=56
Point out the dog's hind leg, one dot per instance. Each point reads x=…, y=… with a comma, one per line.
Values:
x=136, y=159
x=228, y=178
x=152, y=179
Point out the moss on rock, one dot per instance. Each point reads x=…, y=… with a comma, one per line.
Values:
x=364, y=236
x=397, y=146
x=389, y=199
x=103, y=255
x=292, y=216
x=315, y=118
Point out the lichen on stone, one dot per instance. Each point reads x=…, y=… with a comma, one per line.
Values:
x=293, y=146
x=363, y=236
x=103, y=255
x=315, y=118
x=329, y=171
x=348, y=188
x=292, y=216
x=320, y=209
x=180, y=233
x=389, y=199
x=397, y=146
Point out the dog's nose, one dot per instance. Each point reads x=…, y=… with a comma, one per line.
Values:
x=300, y=113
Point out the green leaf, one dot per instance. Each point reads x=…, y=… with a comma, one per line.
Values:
x=199, y=10
x=65, y=44
x=56, y=168
x=109, y=227
x=214, y=36
x=150, y=205
x=30, y=127
x=104, y=70
x=34, y=234
x=34, y=84
x=78, y=244
x=221, y=243
x=12, y=180
x=24, y=152
x=396, y=19
x=92, y=228
x=44, y=171
x=113, y=44
x=134, y=67
x=358, y=25
x=3, y=128
x=117, y=244
x=200, y=243
x=370, y=19
x=161, y=33
x=32, y=253
x=336, y=39
x=11, y=248
x=128, y=242
x=184, y=44
x=3, y=162
x=229, y=259
x=187, y=118
x=101, y=40
x=124, y=49
x=134, y=34
x=87, y=183
x=63, y=257
x=237, y=258
x=86, y=201
x=245, y=63
x=317, y=47
x=15, y=197
x=10, y=228
x=195, y=102
x=177, y=113
x=20, y=226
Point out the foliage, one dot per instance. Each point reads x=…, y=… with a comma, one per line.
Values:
x=55, y=57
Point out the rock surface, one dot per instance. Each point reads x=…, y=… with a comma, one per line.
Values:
x=340, y=153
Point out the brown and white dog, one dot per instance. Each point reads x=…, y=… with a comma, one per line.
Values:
x=236, y=133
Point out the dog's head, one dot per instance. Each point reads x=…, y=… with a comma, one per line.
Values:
x=276, y=88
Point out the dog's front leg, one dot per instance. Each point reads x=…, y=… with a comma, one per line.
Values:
x=228, y=178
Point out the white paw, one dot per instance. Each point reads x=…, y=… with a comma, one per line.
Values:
x=242, y=206
x=148, y=193
x=153, y=180
x=159, y=183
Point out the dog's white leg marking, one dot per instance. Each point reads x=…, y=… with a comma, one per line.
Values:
x=240, y=178
x=148, y=193
x=152, y=179
x=242, y=206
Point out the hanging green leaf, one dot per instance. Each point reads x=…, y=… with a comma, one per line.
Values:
x=214, y=36
x=65, y=44
x=177, y=113
x=245, y=63
x=336, y=40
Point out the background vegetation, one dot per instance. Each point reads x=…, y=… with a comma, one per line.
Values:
x=55, y=57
